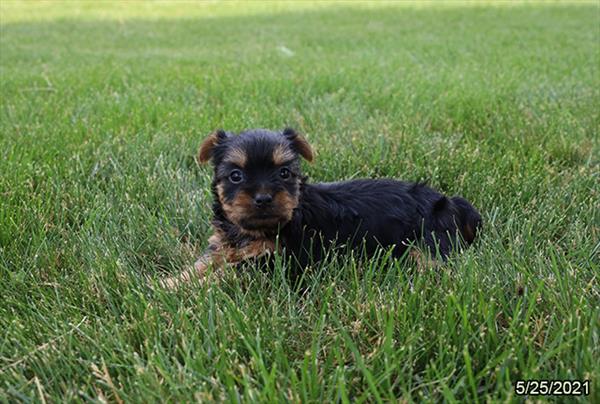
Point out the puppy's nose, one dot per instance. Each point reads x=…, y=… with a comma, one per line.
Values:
x=261, y=200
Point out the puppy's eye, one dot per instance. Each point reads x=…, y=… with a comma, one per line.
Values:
x=284, y=173
x=236, y=176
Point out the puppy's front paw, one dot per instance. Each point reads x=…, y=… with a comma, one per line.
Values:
x=169, y=283
x=197, y=272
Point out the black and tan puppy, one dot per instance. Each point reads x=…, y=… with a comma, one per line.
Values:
x=261, y=200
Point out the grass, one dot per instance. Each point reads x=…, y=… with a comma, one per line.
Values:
x=103, y=107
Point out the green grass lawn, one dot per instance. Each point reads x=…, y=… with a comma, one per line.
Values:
x=102, y=110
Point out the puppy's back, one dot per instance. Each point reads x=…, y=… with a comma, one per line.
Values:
x=386, y=212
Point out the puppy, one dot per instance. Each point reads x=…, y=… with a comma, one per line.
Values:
x=263, y=202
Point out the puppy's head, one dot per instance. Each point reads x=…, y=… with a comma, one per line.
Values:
x=257, y=175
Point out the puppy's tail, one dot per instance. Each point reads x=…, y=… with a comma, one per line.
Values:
x=467, y=218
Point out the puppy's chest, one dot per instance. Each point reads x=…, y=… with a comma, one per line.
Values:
x=240, y=249
x=305, y=236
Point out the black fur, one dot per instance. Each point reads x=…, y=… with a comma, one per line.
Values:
x=368, y=214
x=364, y=214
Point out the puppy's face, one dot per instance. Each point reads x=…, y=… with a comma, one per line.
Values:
x=257, y=175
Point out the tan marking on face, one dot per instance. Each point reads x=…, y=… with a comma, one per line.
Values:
x=282, y=154
x=237, y=212
x=238, y=208
x=285, y=204
x=236, y=156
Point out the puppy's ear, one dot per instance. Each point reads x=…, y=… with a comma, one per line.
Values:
x=206, y=148
x=299, y=143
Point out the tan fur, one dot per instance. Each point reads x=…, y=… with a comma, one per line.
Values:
x=242, y=205
x=423, y=261
x=222, y=253
x=252, y=233
x=303, y=148
x=205, y=152
x=236, y=156
x=286, y=203
x=282, y=154
x=236, y=209
x=218, y=255
x=219, y=252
